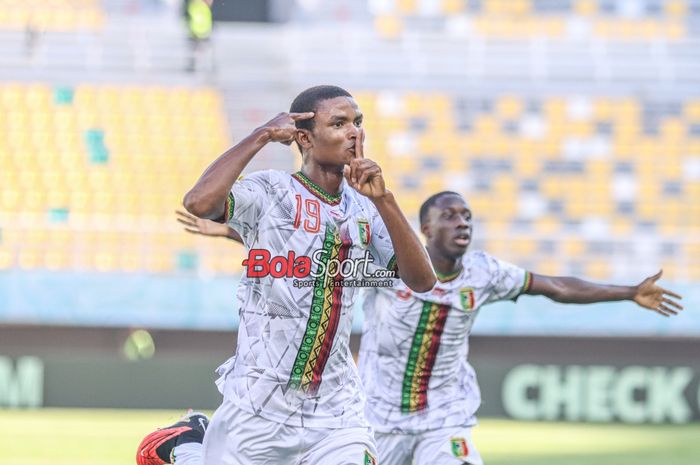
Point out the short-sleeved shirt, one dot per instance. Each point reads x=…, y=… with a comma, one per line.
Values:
x=414, y=348
x=293, y=363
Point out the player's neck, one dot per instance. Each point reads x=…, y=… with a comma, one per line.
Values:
x=328, y=179
x=446, y=268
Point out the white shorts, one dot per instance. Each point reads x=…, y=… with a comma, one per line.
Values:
x=446, y=446
x=236, y=437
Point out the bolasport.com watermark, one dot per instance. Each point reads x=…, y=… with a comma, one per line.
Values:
x=318, y=269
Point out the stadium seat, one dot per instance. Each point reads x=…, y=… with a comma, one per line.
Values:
x=71, y=160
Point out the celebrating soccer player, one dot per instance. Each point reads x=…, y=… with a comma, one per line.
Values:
x=292, y=392
x=422, y=393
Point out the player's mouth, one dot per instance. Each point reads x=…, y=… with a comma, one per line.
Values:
x=462, y=239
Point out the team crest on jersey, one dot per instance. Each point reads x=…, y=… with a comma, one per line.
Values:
x=365, y=233
x=459, y=447
x=466, y=296
x=369, y=458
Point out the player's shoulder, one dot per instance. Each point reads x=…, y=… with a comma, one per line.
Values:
x=480, y=263
x=485, y=263
x=269, y=180
x=266, y=175
x=476, y=258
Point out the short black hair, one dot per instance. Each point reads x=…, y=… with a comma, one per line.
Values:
x=432, y=200
x=309, y=99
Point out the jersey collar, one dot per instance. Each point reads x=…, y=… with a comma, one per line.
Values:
x=316, y=190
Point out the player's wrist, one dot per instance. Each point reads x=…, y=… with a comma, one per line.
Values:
x=386, y=198
x=262, y=134
x=631, y=292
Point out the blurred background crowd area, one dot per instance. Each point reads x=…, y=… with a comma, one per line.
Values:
x=571, y=126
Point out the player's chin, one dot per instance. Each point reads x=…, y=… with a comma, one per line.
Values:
x=458, y=249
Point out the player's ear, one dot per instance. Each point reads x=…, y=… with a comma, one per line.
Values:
x=303, y=138
x=425, y=229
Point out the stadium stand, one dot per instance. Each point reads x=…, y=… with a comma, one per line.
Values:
x=512, y=19
x=95, y=174
x=51, y=15
x=582, y=182
x=568, y=176
x=572, y=177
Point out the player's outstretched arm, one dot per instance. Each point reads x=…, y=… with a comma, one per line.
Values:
x=204, y=227
x=207, y=199
x=365, y=177
x=646, y=294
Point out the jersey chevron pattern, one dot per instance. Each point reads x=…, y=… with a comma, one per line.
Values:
x=293, y=362
x=421, y=357
x=414, y=347
x=323, y=321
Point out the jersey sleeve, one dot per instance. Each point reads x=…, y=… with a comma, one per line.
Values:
x=507, y=281
x=245, y=202
x=380, y=245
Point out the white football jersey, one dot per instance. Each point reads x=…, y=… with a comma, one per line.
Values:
x=413, y=353
x=293, y=362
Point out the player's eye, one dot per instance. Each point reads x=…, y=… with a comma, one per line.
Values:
x=338, y=124
x=358, y=123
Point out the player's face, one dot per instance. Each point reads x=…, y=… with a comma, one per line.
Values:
x=337, y=123
x=449, y=229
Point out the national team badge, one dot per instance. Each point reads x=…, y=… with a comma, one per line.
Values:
x=369, y=458
x=365, y=233
x=466, y=296
x=459, y=447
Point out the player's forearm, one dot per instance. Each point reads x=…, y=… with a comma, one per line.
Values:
x=207, y=198
x=411, y=257
x=577, y=291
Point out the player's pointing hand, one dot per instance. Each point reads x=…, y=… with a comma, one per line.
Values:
x=282, y=128
x=364, y=175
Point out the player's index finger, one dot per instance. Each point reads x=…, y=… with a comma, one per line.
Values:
x=301, y=116
x=359, y=140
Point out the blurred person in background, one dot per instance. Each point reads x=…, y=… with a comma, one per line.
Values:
x=422, y=394
x=292, y=393
x=199, y=20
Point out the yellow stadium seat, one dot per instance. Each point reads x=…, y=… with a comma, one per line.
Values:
x=549, y=267
x=6, y=258
x=573, y=247
x=406, y=7
x=585, y=7
x=453, y=7
x=597, y=269
x=388, y=26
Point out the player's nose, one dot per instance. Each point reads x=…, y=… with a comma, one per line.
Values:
x=353, y=132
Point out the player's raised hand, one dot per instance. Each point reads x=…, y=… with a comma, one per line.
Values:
x=201, y=226
x=364, y=175
x=655, y=298
x=282, y=127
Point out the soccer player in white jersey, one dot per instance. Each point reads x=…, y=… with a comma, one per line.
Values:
x=422, y=395
x=292, y=393
x=413, y=358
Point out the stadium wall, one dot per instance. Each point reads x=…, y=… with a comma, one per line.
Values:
x=629, y=380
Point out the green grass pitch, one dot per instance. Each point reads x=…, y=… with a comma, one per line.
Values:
x=110, y=437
